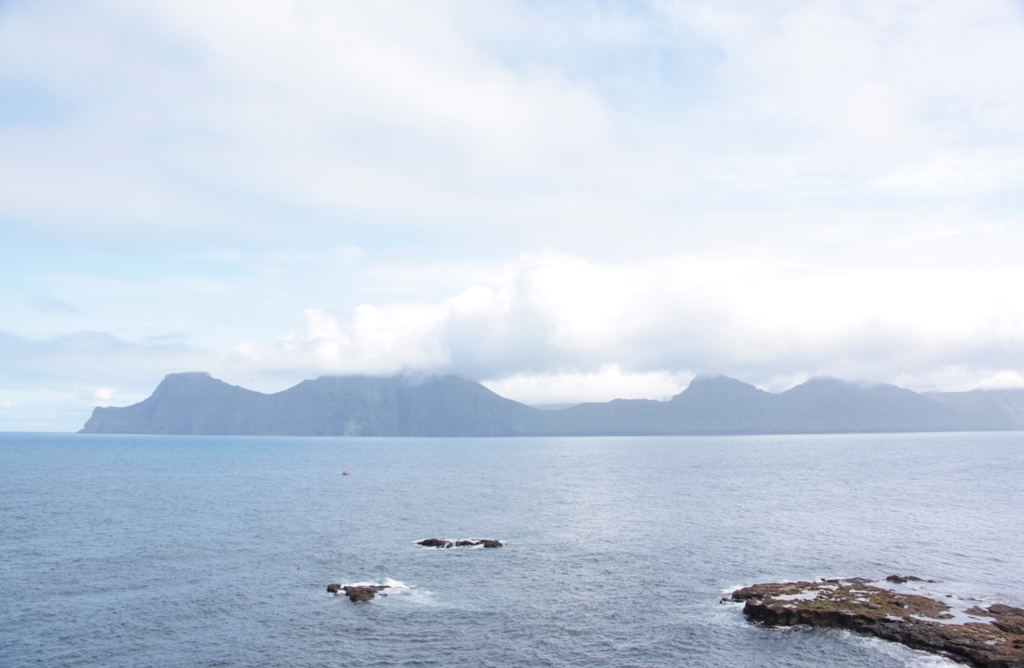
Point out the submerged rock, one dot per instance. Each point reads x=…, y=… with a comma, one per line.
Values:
x=989, y=638
x=357, y=593
x=446, y=543
x=901, y=579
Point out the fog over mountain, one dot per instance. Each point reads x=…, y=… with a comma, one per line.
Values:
x=566, y=202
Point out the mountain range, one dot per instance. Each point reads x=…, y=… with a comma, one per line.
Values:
x=197, y=403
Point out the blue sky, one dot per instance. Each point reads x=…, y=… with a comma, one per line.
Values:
x=567, y=201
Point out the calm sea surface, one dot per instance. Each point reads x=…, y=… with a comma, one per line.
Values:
x=216, y=551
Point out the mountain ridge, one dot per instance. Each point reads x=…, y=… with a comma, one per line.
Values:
x=199, y=404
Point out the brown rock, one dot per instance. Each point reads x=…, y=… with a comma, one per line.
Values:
x=990, y=640
x=1001, y=610
x=333, y=588
x=357, y=594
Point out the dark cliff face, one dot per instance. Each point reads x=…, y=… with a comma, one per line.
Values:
x=830, y=404
x=719, y=404
x=1002, y=409
x=183, y=403
x=195, y=403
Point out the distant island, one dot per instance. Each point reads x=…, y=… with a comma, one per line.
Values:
x=196, y=403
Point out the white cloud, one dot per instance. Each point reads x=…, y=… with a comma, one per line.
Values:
x=549, y=327
x=86, y=356
x=861, y=88
x=959, y=172
x=871, y=114
x=1001, y=380
x=769, y=190
x=557, y=317
x=606, y=384
x=219, y=121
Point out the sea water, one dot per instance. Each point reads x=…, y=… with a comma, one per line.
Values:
x=217, y=551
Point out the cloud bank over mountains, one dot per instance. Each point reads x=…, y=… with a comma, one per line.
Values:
x=547, y=313
x=552, y=328
x=568, y=202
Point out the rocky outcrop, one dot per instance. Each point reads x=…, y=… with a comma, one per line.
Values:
x=445, y=543
x=357, y=593
x=903, y=579
x=992, y=637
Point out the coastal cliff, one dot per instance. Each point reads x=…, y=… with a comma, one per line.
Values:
x=196, y=403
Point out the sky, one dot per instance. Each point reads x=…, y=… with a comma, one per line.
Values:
x=567, y=201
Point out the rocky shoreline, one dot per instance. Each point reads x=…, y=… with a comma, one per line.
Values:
x=991, y=637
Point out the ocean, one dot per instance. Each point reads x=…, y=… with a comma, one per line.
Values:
x=216, y=551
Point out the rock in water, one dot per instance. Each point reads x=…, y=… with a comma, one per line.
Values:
x=445, y=543
x=902, y=579
x=989, y=638
x=333, y=588
x=362, y=593
x=436, y=542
